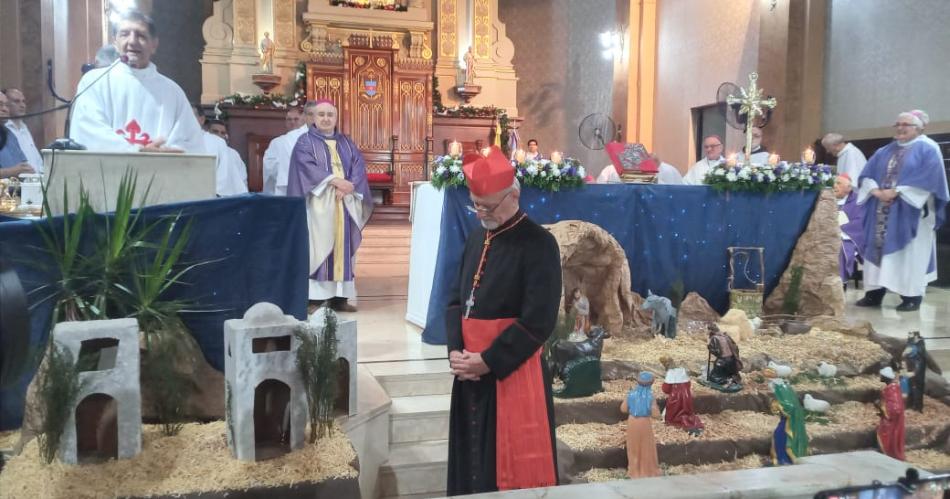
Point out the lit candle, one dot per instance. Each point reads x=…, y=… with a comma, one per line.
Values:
x=808, y=157
x=455, y=149
x=520, y=156
x=556, y=157
x=773, y=159
x=731, y=160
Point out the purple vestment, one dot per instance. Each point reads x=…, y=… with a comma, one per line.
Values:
x=854, y=229
x=309, y=166
x=916, y=165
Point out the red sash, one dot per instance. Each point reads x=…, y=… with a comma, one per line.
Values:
x=523, y=450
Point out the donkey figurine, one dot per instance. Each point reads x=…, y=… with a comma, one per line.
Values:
x=664, y=315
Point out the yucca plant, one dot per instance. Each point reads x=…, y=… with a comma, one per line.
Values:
x=59, y=387
x=317, y=363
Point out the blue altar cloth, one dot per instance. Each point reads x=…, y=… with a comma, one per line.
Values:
x=260, y=251
x=668, y=232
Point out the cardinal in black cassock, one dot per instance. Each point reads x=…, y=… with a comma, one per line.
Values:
x=501, y=433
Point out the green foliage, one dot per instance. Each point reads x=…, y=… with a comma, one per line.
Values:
x=436, y=96
x=169, y=388
x=817, y=418
x=811, y=376
x=317, y=363
x=677, y=293
x=58, y=389
x=792, y=299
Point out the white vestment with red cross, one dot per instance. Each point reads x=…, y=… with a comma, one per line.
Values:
x=130, y=108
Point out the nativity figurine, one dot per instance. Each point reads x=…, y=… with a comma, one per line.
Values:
x=581, y=308
x=723, y=374
x=916, y=363
x=789, y=440
x=679, y=402
x=641, y=408
x=890, y=429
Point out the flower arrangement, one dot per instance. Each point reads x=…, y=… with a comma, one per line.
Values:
x=447, y=171
x=550, y=176
x=545, y=174
x=394, y=5
x=782, y=176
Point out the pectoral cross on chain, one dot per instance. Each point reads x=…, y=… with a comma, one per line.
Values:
x=469, y=303
x=751, y=103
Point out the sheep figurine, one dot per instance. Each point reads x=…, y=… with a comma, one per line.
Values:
x=826, y=370
x=815, y=405
x=780, y=370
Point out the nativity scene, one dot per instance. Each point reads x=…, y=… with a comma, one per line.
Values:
x=423, y=248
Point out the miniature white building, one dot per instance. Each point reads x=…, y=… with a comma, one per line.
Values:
x=116, y=376
x=262, y=380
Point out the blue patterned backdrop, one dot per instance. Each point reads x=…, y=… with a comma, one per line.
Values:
x=668, y=232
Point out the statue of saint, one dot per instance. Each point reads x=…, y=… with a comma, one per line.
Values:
x=268, y=48
x=469, y=67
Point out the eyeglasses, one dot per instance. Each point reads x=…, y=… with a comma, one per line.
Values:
x=898, y=125
x=484, y=210
x=711, y=146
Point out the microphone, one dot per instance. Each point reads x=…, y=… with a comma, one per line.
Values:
x=66, y=143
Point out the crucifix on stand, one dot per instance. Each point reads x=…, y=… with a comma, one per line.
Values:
x=751, y=104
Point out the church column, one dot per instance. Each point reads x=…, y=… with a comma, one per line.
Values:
x=791, y=68
x=641, y=80
x=446, y=67
x=245, y=56
x=218, y=34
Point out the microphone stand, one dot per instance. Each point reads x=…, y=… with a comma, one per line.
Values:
x=65, y=143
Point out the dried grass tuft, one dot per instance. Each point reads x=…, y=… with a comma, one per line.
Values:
x=195, y=460
x=929, y=459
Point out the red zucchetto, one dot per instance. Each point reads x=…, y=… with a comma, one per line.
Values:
x=489, y=174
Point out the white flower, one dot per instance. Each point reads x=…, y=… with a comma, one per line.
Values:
x=518, y=173
x=440, y=170
x=461, y=176
x=293, y=103
x=532, y=170
x=771, y=176
x=581, y=172
x=744, y=173
x=454, y=169
x=786, y=177
x=555, y=172
x=731, y=176
x=542, y=174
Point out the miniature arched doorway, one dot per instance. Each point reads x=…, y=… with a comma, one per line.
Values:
x=97, y=429
x=341, y=407
x=271, y=419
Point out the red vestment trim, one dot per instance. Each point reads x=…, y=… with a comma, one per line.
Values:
x=523, y=451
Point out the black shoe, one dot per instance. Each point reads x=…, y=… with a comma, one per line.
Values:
x=872, y=298
x=909, y=303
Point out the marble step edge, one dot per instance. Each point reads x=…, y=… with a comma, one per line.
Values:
x=416, y=455
x=420, y=385
x=420, y=406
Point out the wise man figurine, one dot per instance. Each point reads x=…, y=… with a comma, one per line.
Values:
x=268, y=48
x=469, y=67
x=916, y=362
x=890, y=430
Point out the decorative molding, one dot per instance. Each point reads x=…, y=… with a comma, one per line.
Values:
x=448, y=30
x=245, y=21
x=482, y=36
x=285, y=24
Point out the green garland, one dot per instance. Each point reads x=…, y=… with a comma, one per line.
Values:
x=262, y=101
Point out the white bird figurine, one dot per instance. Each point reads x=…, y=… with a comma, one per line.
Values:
x=815, y=405
x=780, y=370
x=826, y=370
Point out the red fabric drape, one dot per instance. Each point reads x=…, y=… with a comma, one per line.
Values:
x=523, y=451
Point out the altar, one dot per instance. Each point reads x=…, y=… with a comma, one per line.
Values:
x=669, y=234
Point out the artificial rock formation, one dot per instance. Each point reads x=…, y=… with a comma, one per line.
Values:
x=816, y=252
x=696, y=308
x=592, y=260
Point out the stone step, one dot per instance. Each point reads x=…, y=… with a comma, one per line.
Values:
x=413, y=377
x=419, y=468
x=419, y=419
x=392, y=258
